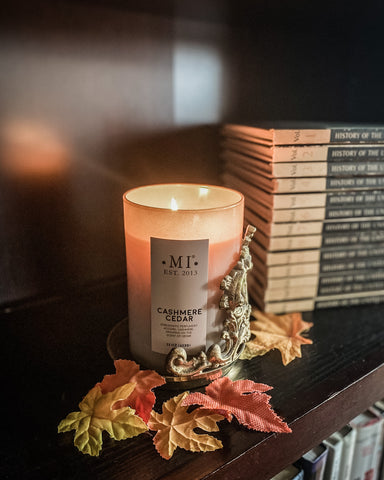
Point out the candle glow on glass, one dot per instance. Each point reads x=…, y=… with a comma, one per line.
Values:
x=181, y=240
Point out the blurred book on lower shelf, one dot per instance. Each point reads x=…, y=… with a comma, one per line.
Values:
x=368, y=445
x=291, y=472
x=334, y=444
x=318, y=210
x=313, y=462
x=355, y=452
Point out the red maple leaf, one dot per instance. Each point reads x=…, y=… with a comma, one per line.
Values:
x=244, y=399
x=142, y=399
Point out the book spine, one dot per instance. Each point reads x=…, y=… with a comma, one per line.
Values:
x=309, y=136
x=352, y=277
x=314, y=466
x=316, y=268
x=357, y=135
x=286, y=306
x=280, y=229
x=354, y=300
x=312, y=228
x=295, y=215
x=332, y=466
x=308, y=214
x=307, y=176
x=314, y=213
x=291, y=243
x=354, y=253
x=288, y=282
x=349, y=438
x=309, y=304
x=349, y=168
x=324, y=153
x=379, y=408
x=313, y=153
x=263, y=295
x=323, y=169
x=283, y=258
x=299, y=169
x=329, y=284
x=329, y=135
x=298, y=200
x=354, y=182
x=302, y=153
x=287, y=293
x=276, y=201
x=353, y=226
x=343, y=266
x=319, y=184
x=366, y=445
x=354, y=212
x=274, y=244
x=301, y=136
x=352, y=238
x=292, y=288
x=360, y=198
x=350, y=288
x=356, y=153
x=348, y=257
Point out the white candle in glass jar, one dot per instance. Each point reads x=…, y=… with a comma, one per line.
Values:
x=181, y=240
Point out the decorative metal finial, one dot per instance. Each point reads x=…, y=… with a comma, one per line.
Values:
x=235, y=332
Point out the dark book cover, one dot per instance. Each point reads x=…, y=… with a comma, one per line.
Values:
x=313, y=462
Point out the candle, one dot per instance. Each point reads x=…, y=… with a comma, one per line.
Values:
x=181, y=240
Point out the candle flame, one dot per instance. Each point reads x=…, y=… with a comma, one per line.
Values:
x=173, y=204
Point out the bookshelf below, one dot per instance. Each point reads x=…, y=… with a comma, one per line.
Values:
x=338, y=376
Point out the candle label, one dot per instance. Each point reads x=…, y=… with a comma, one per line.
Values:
x=179, y=293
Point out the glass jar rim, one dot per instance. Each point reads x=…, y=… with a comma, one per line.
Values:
x=236, y=200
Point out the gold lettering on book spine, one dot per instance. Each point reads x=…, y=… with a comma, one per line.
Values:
x=236, y=332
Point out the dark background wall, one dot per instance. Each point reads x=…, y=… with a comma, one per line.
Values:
x=98, y=97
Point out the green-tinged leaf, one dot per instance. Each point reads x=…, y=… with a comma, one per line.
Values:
x=97, y=414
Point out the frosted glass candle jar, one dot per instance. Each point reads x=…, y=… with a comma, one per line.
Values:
x=181, y=240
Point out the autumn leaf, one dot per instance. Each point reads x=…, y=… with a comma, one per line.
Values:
x=97, y=415
x=142, y=399
x=276, y=331
x=243, y=399
x=175, y=428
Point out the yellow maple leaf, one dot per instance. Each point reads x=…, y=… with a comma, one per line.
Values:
x=175, y=428
x=276, y=331
x=97, y=414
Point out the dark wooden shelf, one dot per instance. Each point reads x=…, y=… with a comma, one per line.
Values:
x=55, y=351
x=99, y=84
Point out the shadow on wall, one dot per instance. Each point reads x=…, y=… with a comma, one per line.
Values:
x=179, y=155
x=61, y=211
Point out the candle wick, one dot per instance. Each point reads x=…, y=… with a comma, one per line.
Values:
x=174, y=204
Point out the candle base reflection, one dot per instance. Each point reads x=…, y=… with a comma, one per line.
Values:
x=118, y=348
x=184, y=372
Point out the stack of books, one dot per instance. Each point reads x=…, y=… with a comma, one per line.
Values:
x=316, y=197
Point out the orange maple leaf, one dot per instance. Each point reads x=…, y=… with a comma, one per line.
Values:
x=142, y=399
x=277, y=331
x=244, y=399
x=175, y=428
